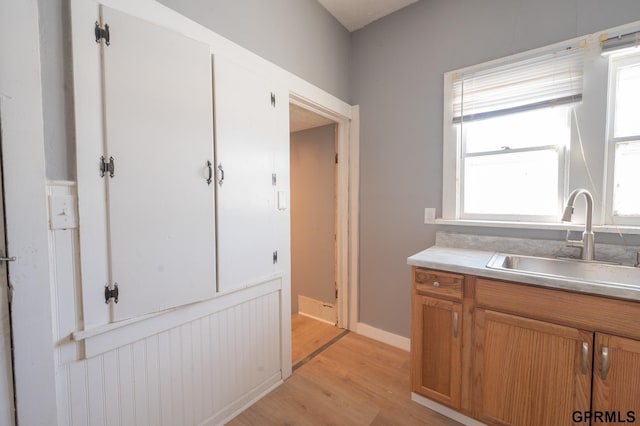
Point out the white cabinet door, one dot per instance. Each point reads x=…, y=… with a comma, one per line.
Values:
x=246, y=208
x=159, y=130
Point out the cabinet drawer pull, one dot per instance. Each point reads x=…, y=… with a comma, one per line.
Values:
x=455, y=324
x=605, y=363
x=585, y=353
x=436, y=284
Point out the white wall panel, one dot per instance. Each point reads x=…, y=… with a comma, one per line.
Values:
x=175, y=378
x=197, y=372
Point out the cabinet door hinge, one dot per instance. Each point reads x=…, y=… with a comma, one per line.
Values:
x=273, y=99
x=102, y=33
x=275, y=257
x=107, y=166
x=111, y=293
x=274, y=179
x=336, y=158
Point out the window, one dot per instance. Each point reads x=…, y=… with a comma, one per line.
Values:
x=515, y=155
x=624, y=139
x=520, y=133
x=512, y=125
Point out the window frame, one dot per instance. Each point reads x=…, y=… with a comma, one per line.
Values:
x=561, y=167
x=453, y=152
x=616, y=63
x=589, y=160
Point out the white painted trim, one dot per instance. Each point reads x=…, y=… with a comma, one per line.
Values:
x=26, y=212
x=236, y=408
x=286, y=366
x=342, y=237
x=345, y=205
x=354, y=218
x=105, y=338
x=304, y=314
x=89, y=145
x=317, y=310
x=445, y=411
x=450, y=155
x=395, y=340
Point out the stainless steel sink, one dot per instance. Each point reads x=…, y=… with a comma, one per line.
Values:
x=568, y=269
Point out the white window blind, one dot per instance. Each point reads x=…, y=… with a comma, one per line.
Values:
x=554, y=78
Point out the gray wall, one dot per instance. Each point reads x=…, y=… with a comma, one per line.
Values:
x=297, y=35
x=313, y=193
x=397, y=79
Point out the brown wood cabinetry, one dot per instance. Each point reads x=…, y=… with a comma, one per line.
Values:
x=529, y=372
x=616, y=378
x=436, y=350
x=436, y=340
x=514, y=354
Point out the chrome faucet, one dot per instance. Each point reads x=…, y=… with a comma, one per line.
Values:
x=587, y=244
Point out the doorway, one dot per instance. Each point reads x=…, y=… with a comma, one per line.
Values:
x=314, y=280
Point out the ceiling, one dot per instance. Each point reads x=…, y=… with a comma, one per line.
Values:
x=302, y=119
x=355, y=14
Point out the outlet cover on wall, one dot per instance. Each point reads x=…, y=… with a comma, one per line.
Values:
x=430, y=215
x=62, y=212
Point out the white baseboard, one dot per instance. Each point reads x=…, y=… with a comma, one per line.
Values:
x=445, y=411
x=316, y=318
x=399, y=342
x=317, y=309
x=235, y=408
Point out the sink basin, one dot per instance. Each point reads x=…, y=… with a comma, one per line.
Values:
x=568, y=269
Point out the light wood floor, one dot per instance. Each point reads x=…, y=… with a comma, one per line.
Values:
x=308, y=334
x=356, y=381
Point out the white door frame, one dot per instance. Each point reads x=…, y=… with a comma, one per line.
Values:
x=26, y=212
x=346, y=207
x=7, y=401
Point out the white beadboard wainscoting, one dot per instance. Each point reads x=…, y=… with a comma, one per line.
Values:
x=198, y=364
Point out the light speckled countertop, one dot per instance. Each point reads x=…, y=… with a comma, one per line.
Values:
x=473, y=262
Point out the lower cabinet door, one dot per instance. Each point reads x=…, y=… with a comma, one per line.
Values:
x=616, y=394
x=436, y=349
x=529, y=372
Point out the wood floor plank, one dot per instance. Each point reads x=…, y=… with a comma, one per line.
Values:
x=308, y=335
x=356, y=381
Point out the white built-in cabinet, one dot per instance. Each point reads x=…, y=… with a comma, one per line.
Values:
x=195, y=159
x=249, y=111
x=159, y=132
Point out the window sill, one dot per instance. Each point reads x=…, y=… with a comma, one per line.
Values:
x=550, y=226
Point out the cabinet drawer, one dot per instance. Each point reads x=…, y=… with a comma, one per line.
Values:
x=438, y=283
x=584, y=311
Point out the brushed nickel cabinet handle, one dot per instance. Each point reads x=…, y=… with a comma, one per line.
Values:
x=210, y=168
x=436, y=284
x=455, y=324
x=221, y=179
x=585, y=353
x=605, y=363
